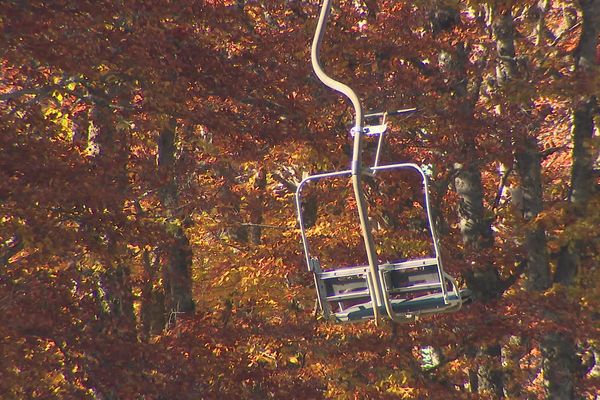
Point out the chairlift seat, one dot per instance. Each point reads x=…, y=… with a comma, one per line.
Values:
x=344, y=286
x=414, y=288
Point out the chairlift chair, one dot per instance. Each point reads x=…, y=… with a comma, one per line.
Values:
x=408, y=288
x=401, y=290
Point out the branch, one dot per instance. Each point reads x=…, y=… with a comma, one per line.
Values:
x=289, y=185
x=557, y=40
x=15, y=94
x=11, y=247
x=508, y=282
x=38, y=91
x=284, y=228
x=441, y=186
x=563, y=33
x=501, y=188
x=445, y=361
x=548, y=152
x=269, y=104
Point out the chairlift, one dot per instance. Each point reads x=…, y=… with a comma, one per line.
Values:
x=400, y=290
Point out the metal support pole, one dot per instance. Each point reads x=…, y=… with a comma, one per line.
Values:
x=356, y=166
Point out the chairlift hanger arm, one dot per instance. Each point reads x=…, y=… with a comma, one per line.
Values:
x=323, y=77
x=356, y=166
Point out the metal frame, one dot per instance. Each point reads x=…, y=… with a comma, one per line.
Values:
x=381, y=128
x=374, y=273
x=452, y=299
x=356, y=165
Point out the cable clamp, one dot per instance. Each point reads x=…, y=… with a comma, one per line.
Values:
x=355, y=130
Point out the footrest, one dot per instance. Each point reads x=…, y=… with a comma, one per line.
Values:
x=425, y=304
x=417, y=306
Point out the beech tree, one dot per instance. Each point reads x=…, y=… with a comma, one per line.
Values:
x=149, y=247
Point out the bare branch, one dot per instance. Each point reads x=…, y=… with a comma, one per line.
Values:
x=501, y=187
x=10, y=248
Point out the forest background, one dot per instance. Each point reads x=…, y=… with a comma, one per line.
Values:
x=150, y=151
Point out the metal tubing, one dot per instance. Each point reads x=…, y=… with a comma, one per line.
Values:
x=385, y=299
x=380, y=142
x=376, y=297
x=323, y=77
x=299, y=207
x=434, y=237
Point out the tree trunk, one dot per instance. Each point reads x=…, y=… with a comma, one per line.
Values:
x=152, y=313
x=582, y=182
x=582, y=177
x=560, y=363
x=528, y=160
x=476, y=231
x=256, y=205
x=586, y=56
x=177, y=280
x=528, y=165
x=527, y=157
x=117, y=300
x=490, y=377
x=110, y=149
x=584, y=109
x=112, y=291
x=484, y=281
x=179, y=271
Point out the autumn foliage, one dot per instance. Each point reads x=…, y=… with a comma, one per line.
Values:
x=149, y=151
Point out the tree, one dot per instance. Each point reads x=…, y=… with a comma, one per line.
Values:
x=149, y=154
